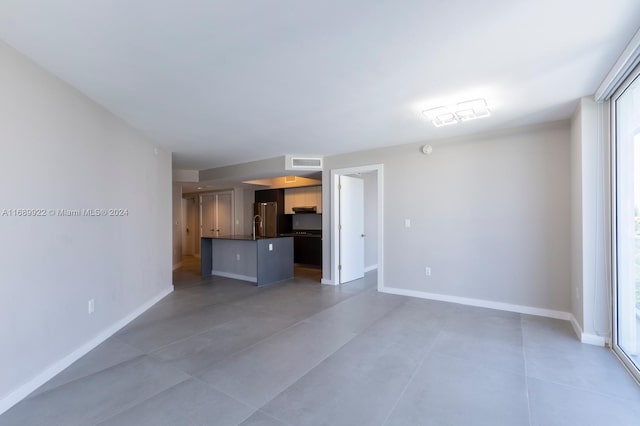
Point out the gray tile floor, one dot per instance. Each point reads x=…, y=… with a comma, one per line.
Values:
x=222, y=352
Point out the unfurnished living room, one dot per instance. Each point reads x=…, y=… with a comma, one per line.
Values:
x=320, y=213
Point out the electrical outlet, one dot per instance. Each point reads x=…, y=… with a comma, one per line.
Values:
x=238, y=256
x=407, y=223
x=427, y=271
x=270, y=247
x=91, y=306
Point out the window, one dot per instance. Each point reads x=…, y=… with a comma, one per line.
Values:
x=626, y=220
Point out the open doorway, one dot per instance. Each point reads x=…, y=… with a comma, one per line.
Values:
x=191, y=228
x=363, y=219
x=203, y=214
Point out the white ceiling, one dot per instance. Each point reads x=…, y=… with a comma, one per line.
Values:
x=225, y=82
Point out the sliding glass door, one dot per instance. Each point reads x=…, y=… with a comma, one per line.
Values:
x=626, y=215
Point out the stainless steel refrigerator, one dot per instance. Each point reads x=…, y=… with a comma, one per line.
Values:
x=266, y=219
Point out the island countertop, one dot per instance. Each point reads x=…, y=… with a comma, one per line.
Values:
x=241, y=237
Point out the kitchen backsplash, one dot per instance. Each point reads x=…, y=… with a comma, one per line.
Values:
x=307, y=221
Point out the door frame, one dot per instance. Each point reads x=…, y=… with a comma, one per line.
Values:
x=613, y=200
x=335, y=206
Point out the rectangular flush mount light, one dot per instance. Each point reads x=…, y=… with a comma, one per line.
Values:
x=463, y=111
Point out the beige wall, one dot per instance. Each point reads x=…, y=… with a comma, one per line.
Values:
x=490, y=215
x=60, y=150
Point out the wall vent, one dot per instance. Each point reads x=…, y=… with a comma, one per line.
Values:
x=304, y=163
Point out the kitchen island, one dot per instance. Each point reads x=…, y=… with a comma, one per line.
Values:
x=262, y=261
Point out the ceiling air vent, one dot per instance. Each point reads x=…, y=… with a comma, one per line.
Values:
x=304, y=163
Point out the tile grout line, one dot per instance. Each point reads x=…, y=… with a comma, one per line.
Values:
x=354, y=335
x=526, y=373
x=126, y=407
x=567, y=385
x=261, y=411
x=304, y=320
x=415, y=372
x=110, y=367
x=583, y=389
x=150, y=353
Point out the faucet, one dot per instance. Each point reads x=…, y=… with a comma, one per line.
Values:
x=254, y=224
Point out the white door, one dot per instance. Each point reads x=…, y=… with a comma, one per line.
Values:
x=191, y=231
x=224, y=216
x=208, y=215
x=351, y=228
x=217, y=214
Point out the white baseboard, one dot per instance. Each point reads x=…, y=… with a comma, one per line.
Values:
x=370, y=268
x=327, y=281
x=591, y=339
x=235, y=276
x=52, y=370
x=177, y=265
x=480, y=303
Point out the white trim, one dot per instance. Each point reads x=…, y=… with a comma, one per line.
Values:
x=370, y=268
x=591, y=339
x=177, y=265
x=327, y=281
x=49, y=372
x=235, y=276
x=627, y=61
x=530, y=310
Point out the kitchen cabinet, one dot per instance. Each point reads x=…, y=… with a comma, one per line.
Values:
x=307, y=250
x=277, y=196
x=269, y=195
x=303, y=197
x=264, y=261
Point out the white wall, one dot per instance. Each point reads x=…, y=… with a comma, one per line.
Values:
x=490, y=215
x=59, y=150
x=589, y=171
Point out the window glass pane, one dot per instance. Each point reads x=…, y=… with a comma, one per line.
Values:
x=628, y=221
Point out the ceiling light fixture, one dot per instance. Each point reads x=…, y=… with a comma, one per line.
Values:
x=463, y=111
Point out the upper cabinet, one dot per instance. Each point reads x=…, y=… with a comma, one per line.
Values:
x=303, y=197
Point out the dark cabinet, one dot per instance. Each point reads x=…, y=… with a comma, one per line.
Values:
x=269, y=195
x=307, y=250
x=277, y=196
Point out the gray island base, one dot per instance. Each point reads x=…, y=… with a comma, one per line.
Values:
x=262, y=261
